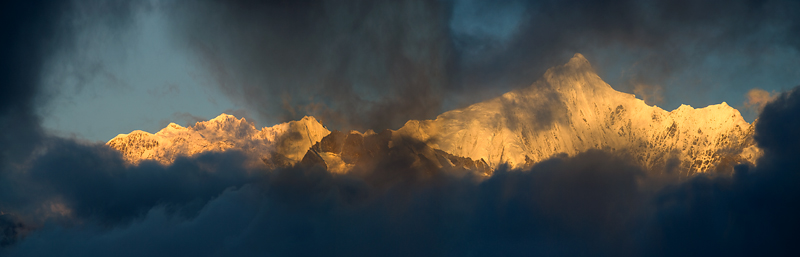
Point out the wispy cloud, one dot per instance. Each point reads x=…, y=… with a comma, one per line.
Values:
x=758, y=98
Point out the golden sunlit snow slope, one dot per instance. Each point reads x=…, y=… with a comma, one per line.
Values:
x=288, y=140
x=571, y=110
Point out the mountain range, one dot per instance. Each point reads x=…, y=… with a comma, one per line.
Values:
x=568, y=111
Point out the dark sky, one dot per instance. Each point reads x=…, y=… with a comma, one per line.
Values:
x=374, y=64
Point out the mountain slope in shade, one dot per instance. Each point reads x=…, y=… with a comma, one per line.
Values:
x=571, y=110
x=364, y=152
x=285, y=143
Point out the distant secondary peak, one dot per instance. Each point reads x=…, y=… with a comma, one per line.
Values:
x=226, y=120
x=288, y=141
x=138, y=132
x=174, y=126
x=223, y=117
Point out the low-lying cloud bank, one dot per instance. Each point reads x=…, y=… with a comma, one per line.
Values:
x=79, y=200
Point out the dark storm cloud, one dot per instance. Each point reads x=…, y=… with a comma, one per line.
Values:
x=755, y=211
x=27, y=32
x=562, y=206
x=368, y=64
x=777, y=130
x=74, y=184
x=354, y=64
x=36, y=188
x=31, y=33
x=700, y=43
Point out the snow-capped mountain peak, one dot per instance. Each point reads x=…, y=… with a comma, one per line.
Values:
x=571, y=110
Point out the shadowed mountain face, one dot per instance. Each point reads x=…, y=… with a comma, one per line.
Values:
x=568, y=111
x=355, y=152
